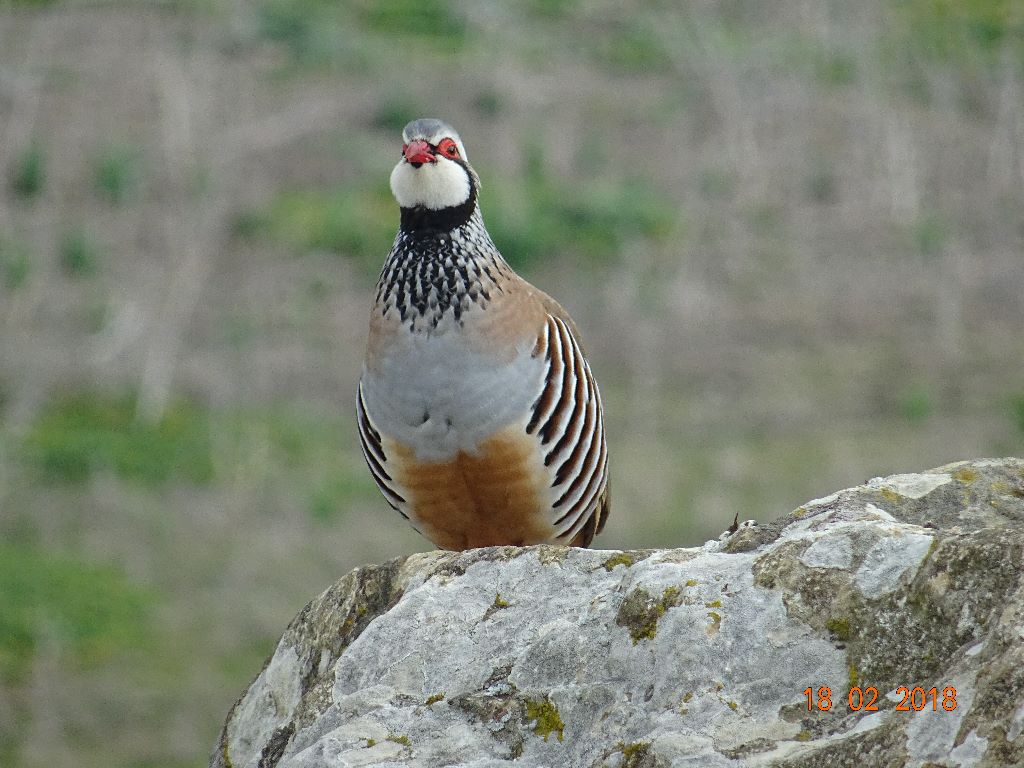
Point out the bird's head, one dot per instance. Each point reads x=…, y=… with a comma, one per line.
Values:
x=433, y=173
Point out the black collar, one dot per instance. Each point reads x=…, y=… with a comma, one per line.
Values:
x=421, y=219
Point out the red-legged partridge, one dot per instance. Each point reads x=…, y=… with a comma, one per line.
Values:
x=478, y=414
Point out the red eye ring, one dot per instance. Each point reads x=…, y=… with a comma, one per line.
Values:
x=448, y=147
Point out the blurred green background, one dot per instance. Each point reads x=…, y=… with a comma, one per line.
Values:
x=792, y=233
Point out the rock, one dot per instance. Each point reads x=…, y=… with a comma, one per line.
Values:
x=675, y=657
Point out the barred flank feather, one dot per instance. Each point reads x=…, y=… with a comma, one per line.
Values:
x=569, y=420
x=373, y=452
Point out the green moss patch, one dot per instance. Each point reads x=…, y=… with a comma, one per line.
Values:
x=640, y=611
x=966, y=475
x=622, y=558
x=546, y=717
x=499, y=604
x=634, y=754
x=839, y=627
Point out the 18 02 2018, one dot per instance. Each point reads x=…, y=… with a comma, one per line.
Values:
x=865, y=699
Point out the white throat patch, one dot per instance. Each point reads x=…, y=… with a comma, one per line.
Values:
x=433, y=185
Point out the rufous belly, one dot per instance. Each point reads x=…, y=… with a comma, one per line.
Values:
x=495, y=495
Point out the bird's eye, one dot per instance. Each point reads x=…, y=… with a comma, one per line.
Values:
x=449, y=148
x=404, y=147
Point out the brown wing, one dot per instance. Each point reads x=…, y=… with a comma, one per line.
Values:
x=556, y=310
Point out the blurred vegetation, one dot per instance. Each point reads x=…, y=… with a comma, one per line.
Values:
x=395, y=113
x=29, y=174
x=85, y=433
x=80, y=436
x=319, y=32
x=930, y=235
x=543, y=217
x=91, y=612
x=1017, y=411
x=352, y=222
x=969, y=36
x=961, y=31
x=116, y=173
x=79, y=255
x=15, y=263
x=308, y=450
x=790, y=233
x=916, y=403
x=630, y=48
x=435, y=20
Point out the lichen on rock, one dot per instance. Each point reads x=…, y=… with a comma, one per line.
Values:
x=566, y=657
x=640, y=610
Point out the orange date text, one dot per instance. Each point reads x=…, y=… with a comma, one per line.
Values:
x=865, y=699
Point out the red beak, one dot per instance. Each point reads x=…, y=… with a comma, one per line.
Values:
x=418, y=152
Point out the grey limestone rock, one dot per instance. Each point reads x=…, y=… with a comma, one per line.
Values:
x=676, y=657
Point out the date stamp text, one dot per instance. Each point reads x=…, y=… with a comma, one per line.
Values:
x=866, y=699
